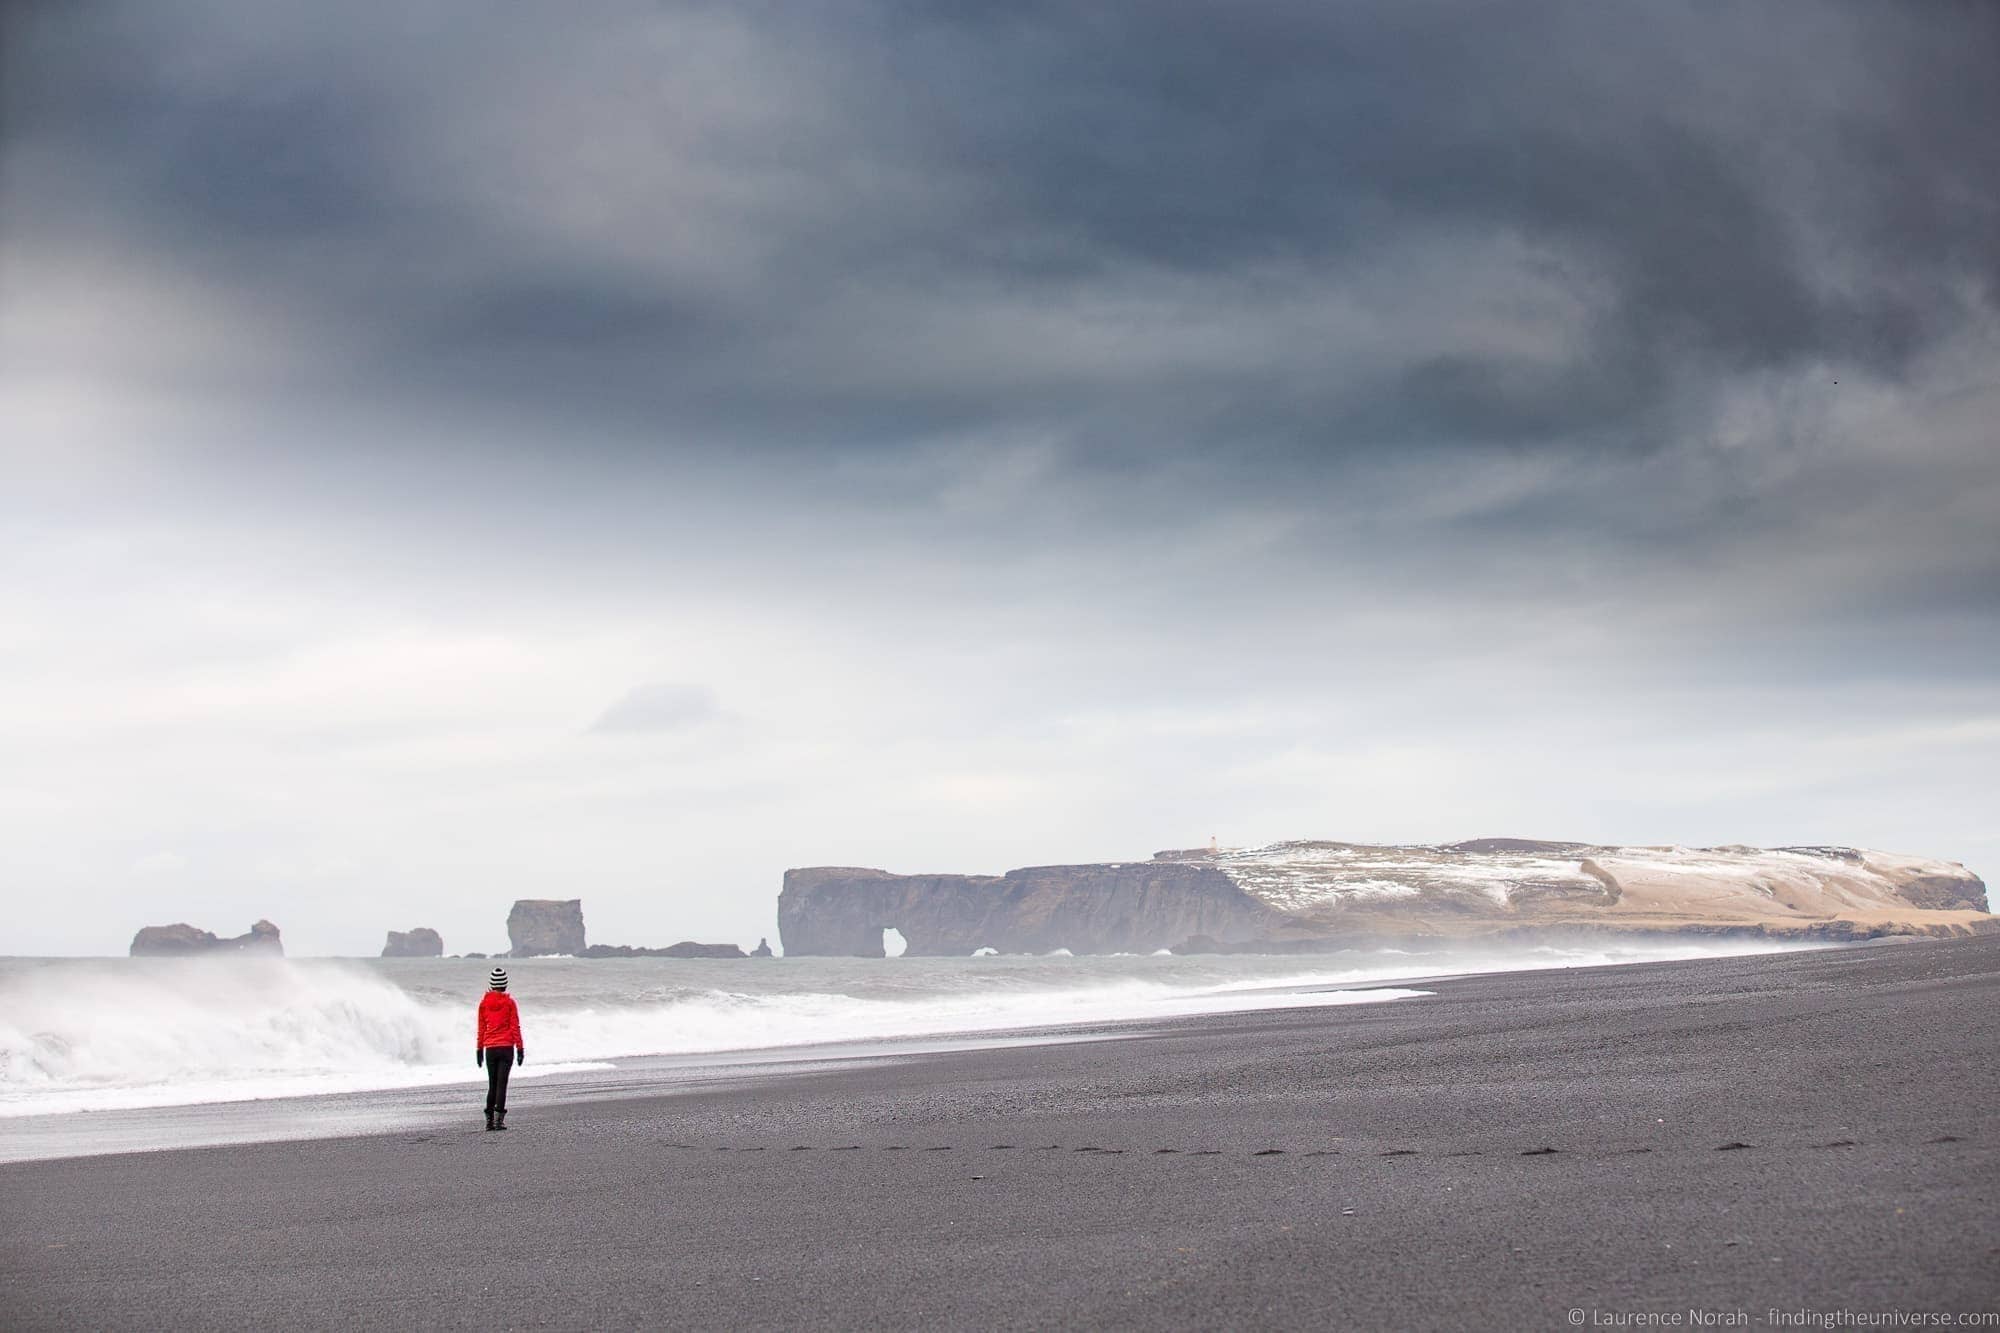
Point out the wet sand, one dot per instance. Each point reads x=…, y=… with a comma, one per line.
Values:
x=1789, y=1132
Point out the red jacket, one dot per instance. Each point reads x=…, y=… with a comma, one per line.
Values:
x=499, y=1021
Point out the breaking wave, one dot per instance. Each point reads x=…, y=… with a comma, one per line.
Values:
x=90, y=1034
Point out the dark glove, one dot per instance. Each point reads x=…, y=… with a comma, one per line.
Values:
x=520, y=1055
x=479, y=1056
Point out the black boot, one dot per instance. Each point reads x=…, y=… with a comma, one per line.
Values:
x=491, y=1123
x=500, y=1120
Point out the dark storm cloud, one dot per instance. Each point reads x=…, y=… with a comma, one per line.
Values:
x=932, y=191
x=1158, y=259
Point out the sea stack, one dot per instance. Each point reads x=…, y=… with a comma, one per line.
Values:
x=685, y=949
x=763, y=949
x=539, y=926
x=423, y=942
x=182, y=940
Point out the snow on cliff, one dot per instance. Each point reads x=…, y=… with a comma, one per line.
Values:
x=1567, y=881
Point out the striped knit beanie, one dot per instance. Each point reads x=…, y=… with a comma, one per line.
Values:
x=497, y=978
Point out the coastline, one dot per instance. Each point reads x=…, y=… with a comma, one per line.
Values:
x=320, y=1047
x=1370, y=1165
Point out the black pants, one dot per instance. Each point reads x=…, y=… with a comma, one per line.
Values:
x=499, y=1064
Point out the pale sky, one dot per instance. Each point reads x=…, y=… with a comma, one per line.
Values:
x=621, y=451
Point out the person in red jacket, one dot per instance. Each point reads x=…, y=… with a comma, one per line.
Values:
x=500, y=1046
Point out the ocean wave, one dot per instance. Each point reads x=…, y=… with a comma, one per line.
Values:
x=107, y=1033
x=131, y=1033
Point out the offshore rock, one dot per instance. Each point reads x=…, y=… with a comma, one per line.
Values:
x=685, y=949
x=181, y=939
x=763, y=949
x=1315, y=896
x=423, y=942
x=1133, y=907
x=539, y=926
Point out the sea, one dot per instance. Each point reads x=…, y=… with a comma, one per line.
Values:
x=93, y=1035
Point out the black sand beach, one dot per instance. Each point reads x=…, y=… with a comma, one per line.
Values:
x=1549, y=1150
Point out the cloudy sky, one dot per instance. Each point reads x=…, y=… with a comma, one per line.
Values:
x=451, y=453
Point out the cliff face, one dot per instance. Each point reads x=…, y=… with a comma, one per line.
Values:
x=545, y=926
x=423, y=942
x=1123, y=908
x=1307, y=895
x=1338, y=888
x=181, y=939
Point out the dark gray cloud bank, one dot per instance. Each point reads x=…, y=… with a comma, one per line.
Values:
x=459, y=452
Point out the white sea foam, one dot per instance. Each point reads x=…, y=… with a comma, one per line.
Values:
x=79, y=1034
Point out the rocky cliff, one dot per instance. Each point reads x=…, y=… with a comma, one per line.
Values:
x=423, y=942
x=1341, y=888
x=1304, y=895
x=540, y=926
x=1119, y=908
x=181, y=939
